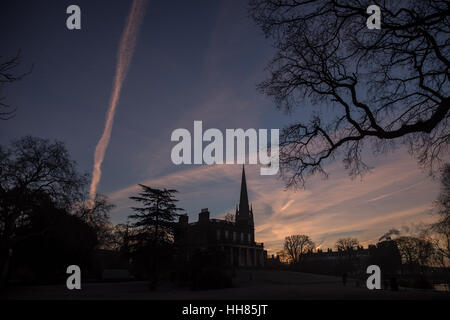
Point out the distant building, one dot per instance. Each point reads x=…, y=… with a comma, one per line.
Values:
x=385, y=254
x=236, y=239
x=359, y=254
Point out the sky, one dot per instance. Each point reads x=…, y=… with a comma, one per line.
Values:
x=193, y=60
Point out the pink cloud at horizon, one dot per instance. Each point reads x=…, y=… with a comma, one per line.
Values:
x=395, y=194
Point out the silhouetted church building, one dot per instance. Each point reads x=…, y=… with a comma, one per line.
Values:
x=236, y=239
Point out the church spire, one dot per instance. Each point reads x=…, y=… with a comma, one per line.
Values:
x=244, y=214
x=243, y=201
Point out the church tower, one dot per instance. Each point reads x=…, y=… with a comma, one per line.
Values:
x=244, y=214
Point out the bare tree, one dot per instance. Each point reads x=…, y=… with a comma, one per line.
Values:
x=416, y=252
x=442, y=210
x=36, y=164
x=33, y=169
x=347, y=244
x=383, y=87
x=96, y=215
x=348, y=250
x=283, y=256
x=121, y=235
x=295, y=246
x=229, y=217
x=9, y=74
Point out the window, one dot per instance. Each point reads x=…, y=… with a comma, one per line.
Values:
x=249, y=237
x=226, y=234
x=234, y=236
x=242, y=237
x=218, y=234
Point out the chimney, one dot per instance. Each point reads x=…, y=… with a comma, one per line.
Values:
x=203, y=216
x=183, y=219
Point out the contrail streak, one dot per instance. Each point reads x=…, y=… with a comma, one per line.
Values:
x=124, y=55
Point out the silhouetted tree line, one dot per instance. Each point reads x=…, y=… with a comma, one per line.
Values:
x=416, y=261
x=45, y=222
x=442, y=210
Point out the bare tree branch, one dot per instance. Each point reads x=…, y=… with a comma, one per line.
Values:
x=9, y=74
x=377, y=86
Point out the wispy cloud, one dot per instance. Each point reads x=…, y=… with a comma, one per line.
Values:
x=124, y=56
x=287, y=205
x=390, y=194
x=326, y=210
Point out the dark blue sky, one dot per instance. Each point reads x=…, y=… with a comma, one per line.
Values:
x=188, y=52
x=194, y=60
